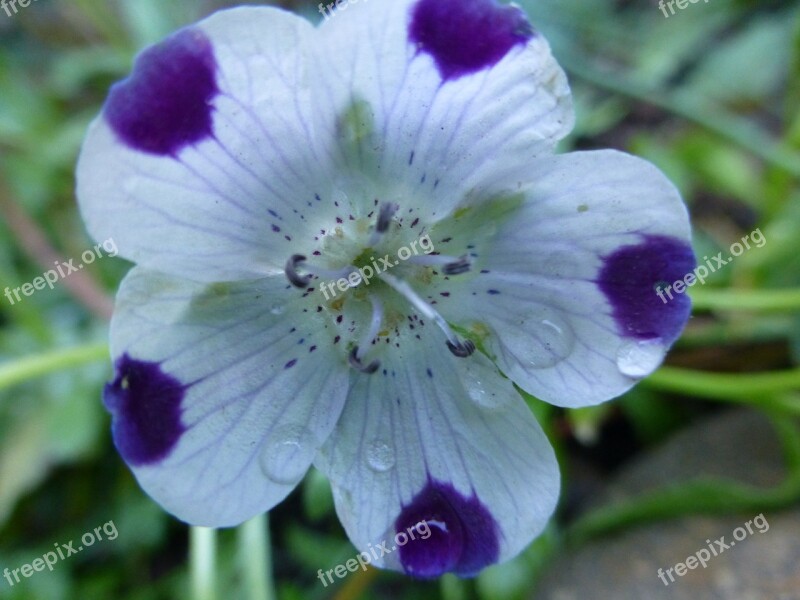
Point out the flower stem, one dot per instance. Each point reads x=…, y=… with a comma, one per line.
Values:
x=255, y=558
x=761, y=300
x=30, y=367
x=203, y=555
x=743, y=388
x=700, y=496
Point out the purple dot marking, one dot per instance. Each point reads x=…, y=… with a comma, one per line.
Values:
x=629, y=279
x=464, y=535
x=145, y=404
x=165, y=104
x=467, y=36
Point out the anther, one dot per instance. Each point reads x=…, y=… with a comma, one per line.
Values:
x=291, y=271
x=462, y=349
x=450, y=265
x=462, y=265
x=384, y=221
x=356, y=363
x=385, y=216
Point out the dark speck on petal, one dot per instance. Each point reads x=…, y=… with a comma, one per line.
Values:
x=165, y=105
x=145, y=404
x=463, y=539
x=466, y=36
x=629, y=279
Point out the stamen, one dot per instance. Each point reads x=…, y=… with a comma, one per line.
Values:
x=302, y=281
x=454, y=343
x=357, y=353
x=388, y=209
x=450, y=265
x=374, y=327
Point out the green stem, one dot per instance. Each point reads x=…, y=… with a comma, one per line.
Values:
x=761, y=300
x=203, y=555
x=713, y=118
x=255, y=557
x=746, y=388
x=31, y=367
x=701, y=496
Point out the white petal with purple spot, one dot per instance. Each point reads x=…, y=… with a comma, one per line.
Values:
x=206, y=161
x=450, y=99
x=563, y=293
x=431, y=437
x=222, y=393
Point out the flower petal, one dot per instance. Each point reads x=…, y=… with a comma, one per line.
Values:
x=222, y=393
x=443, y=440
x=564, y=291
x=452, y=97
x=204, y=162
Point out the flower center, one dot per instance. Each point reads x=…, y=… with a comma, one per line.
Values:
x=377, y=260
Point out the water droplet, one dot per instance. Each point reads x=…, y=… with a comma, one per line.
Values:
x=480, y=395
x=540, y=340
x=277, y=309
x=380, y=456
x=288, y=454
x=639, y=359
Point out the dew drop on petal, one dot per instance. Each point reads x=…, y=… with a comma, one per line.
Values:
x=485, y=398
x=277, y=309
x=558, y=338
x=542, y=340
x=287, y=454
x=380, y=456
x=639, y=359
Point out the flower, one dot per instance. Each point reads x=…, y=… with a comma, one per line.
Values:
x=251, y=157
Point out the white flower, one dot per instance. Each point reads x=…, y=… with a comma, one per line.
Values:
x=250, y=158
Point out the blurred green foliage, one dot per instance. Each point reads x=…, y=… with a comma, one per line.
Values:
x=711, y=95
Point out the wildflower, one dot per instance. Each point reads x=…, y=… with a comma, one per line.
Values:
x=250, y=156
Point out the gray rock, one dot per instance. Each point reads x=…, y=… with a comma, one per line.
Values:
x=740, y=445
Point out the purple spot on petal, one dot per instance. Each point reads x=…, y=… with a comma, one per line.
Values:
x=290, y=364
x=145, y=404
x=629, y=279
x=165, y=104
x=463, y=534
x=466, y=36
